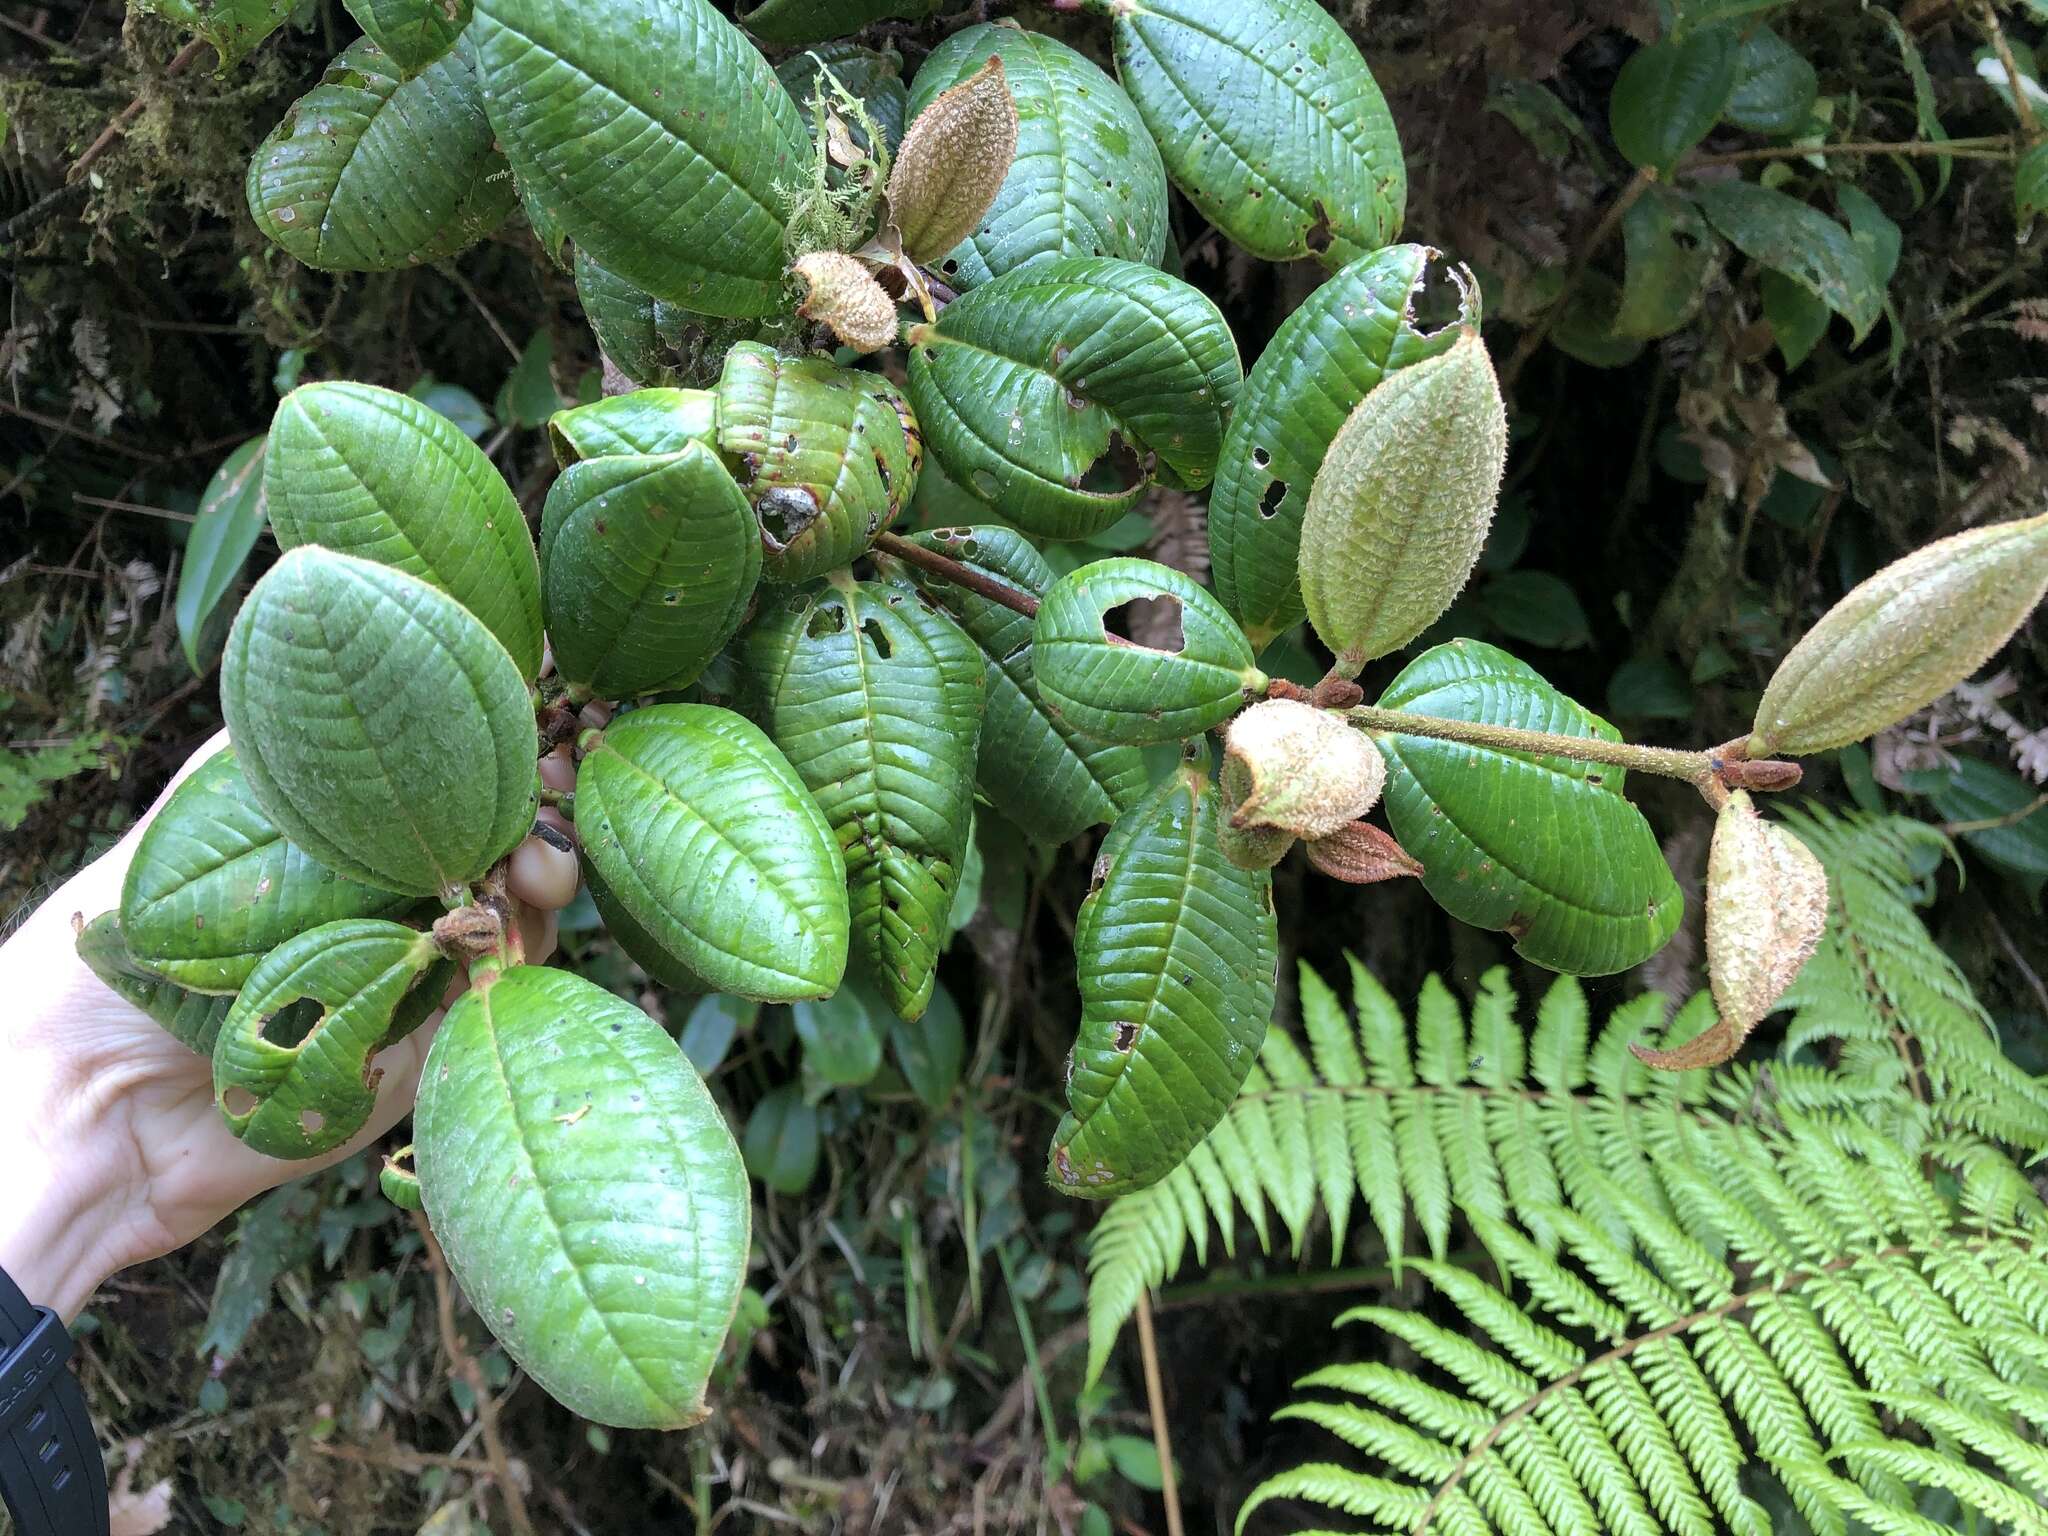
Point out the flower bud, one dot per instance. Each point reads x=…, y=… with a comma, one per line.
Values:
x=843, y=294
x=1361, y=854
x=1299, y=769
x=1903, y=638
x=953, y=162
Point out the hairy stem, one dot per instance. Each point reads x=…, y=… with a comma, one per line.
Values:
x=960, y=575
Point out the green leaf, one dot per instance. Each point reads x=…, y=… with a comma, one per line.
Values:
x=528, y=397
x=1325, y=358
x=782, y=1142
x=2006, y=819
x=656, y=134
x=454, y=402
x=1876, y=234
x=1585, y=327
x=370, y=472
x=234, y=27
x=214, y=886
x=830, y=455
x=1796, y=317
x=1034, y=767
x=1536, y=607
x=638, y=332
x=929, y=1051
x=713, y=1024
x=380, y=726
x=1112, y=688
x=1268, y=120
x=1025, y=384
x=1775, y=88
x=640, y=945
x=1671, y=254
x=191, y=1018
x=789, y=23
x=1177, y=951
x=645, y=421
x=1136, y=1460
x=1544, y=848
x=877, y=699
x=1650, y=688
x=588, y=1195
x=231, y=515
x=873, y=78
x=1087, y=179
x=648, y=564
x=2030, y=185
x=842, y=1035
x=368, y=172
x=1806, y=245
x=1925, y=106
x=296, y=1092
x=1670, y=94
x=708, y=839
x=413, y=32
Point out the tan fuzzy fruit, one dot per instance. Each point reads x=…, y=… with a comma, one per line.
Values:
x=1903, y=638
x=953, y=162
x=1767, y=906
x=842, y=293
x=1400, y=508
x=1302, y=770
x=1361, y=854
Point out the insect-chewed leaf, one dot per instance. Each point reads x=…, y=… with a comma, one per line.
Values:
x=648, y=564
x=877, y=699
x=587, y=1192
x=368, y=172
x=1117, y=690
x=380, y=726
x=1087, y=179
x=1400, y=510
x=790, y=23
x=1269, y=121
x=655, y=133
x=638, y=332
x=214, y=886
x=370, y=472
x=302, y=1085
x=1034, y=766
x=232, y=26
x=191, y=1018
x=646, y=421
x=952, y=162
x=1544, y=848
x=828, y=455
x=704, y=835
x=1354, y=331
x=1030, y=381
x=1178, y=950
x=413, y=32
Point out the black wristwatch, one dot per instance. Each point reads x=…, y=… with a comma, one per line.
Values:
x=51, y=1474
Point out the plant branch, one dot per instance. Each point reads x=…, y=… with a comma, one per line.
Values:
x=1014, y=598
x=2025, y=108
x=1155, y=1403
x=1990, y=147
x=180, y=62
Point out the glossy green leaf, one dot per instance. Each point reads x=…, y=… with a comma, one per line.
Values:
x=1786, y=235
x=930, y=1051
x=373, y=473
x=842, y=1035
x=789, y=23
x=2007, y=821
x=656, y=134
x=877, y=699
x=454, y=402
x=191, y=1018
x=705, y=836
x=645, y=421
x=1177, y=950
x=1775, y=88
x=299, y=1092
x=1797, y=319
x=1034, y=767
x=1117, y=690
x=234, y=27
x=638, y=332
x=588, y=1195
x=1671, y=255
x=231, y=516
x=380, y=726
x=2030, y=185
x=1546, y=849
x=1030, y=381
x=648, y=564
x=1268, y=120
x=368, y=172
x=714, y=1023
x=828, y=455
x=1536, y=607
x=1876, y=234
x=214, y=887
x=782, y=1142
x=873, y=78
x=1087, y=179
x=641, y=946
x=413, y=32
x=1669, y=95
x=1327, y=355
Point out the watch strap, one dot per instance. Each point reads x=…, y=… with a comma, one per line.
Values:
x=51, y=1475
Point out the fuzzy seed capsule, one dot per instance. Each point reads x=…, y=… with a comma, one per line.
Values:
x=843, y=294
x=1299, y=769
x=953, y=162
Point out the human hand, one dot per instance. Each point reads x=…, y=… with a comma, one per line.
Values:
x=114, y=1150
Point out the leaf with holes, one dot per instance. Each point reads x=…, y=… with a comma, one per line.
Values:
x=877, y=699
x=368, y=171
x=1037, y=769
x=1268, y=120
x=1785, y=235
x=1178, y=950
x=1327, y=356
x=1670, y=94
x=587, y=1192
x=231, y=516
x=656, y=134
x=291, y=1068
x=234, y=27
x=1670, y=256
x=646, y=421
x=381, y=727
x=828, y=455
x=639, y=333
x=1544, y=848
x=1029, y=382
x=648, y=563
x=790, y=23
x=1087, y=179
x=214, y=886
x=1106, y=686
x=191, y=1018
x=414, y=32
x=370, y=472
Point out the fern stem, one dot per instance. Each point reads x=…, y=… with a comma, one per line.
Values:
x=1155, y=1401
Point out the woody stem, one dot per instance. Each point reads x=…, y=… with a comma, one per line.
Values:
x=1700, y=768
x=977, y=582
